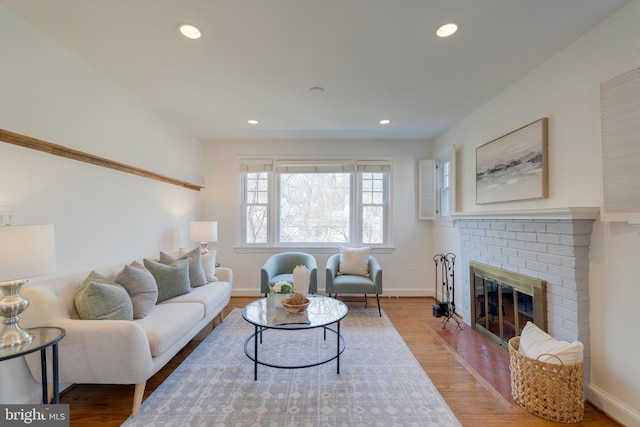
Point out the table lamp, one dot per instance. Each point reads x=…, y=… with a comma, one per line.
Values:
x=25, y=251
x=203, y=232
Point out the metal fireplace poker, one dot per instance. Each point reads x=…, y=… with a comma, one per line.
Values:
x=447, y=307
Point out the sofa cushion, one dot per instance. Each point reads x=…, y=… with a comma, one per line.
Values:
x=196, y=272
x=354, y=261
x=100, y=298
x=141, y=286
x=168, y=323
x=537, y=344
x=213, y=296
x=172, y=279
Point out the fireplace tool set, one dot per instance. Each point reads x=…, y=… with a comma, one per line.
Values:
x=447, y=307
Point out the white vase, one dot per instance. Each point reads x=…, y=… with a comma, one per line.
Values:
x=301, y=279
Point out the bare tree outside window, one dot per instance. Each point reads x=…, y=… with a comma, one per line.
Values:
x=320, y=204
x=315, y=207
x=257, y=207
x=373, y=203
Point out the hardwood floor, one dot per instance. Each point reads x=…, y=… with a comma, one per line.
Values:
x=470, y=373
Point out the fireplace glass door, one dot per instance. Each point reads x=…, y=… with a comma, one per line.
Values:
x=504, y=302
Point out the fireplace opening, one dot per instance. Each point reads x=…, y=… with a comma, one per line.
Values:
x=503, y=302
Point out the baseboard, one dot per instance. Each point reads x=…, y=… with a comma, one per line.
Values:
x=611, y=406
x=254, y=292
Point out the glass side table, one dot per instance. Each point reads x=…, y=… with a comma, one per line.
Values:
x=42, y=338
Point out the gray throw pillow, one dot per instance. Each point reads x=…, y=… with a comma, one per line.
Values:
x=197, y=276
x=172, y=279
x=141, y=286
x=100, y=298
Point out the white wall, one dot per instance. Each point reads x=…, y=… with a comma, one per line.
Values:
x=412, y=238
x=566, y=89
x=102, y=217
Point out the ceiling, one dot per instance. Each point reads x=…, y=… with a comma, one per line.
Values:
x=375, y=59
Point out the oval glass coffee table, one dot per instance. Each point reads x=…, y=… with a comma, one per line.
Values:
x=265, y=314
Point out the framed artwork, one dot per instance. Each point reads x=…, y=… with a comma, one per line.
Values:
x=514, y=166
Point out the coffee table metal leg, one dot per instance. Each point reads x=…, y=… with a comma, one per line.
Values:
x=255, y=353
x=56, y=381
x=337, y=348
x=43, y=368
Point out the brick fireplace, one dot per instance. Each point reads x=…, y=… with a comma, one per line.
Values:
x=550, y=245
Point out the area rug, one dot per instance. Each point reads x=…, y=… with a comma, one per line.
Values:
x=380, y=381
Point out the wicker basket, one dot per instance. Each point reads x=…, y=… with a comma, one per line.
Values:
x=550, y=391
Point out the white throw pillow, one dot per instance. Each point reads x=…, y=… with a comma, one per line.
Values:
x=537, y=344
x=209, y=266
x=354, y=261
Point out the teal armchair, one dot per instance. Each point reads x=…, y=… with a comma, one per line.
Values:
x=279, y=267
x=353, y=284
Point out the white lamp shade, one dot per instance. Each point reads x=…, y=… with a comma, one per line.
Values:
x=203, y=231
x=26, y=251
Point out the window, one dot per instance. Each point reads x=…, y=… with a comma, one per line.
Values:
x=314, y=207
x=437, y=187
x=255, y=201
x=443, y=179
x=373, y=207
x=257, y=207
x=315, y=203
x=446, y=182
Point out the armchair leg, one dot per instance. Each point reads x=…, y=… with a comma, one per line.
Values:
x=378, y=299
x=366, y=301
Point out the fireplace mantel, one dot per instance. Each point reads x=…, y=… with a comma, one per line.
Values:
x=539, y=214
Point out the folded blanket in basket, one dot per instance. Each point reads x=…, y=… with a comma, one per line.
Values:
x=537, y=344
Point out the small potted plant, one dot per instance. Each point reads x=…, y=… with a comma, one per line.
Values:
x=280, y=291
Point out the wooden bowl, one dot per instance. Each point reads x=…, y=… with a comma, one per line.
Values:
x=294, y=309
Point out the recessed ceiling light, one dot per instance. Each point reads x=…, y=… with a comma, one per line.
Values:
x=447, y=29
x=385, y=121
x=252, y=122
x=190, y=31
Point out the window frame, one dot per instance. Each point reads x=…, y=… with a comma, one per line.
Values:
x=446, y=156
x=355, y=167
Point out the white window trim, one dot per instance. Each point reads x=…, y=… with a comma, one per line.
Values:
x=349, y=164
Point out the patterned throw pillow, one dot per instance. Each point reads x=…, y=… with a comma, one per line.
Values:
x=172, y=279
x=102, y=299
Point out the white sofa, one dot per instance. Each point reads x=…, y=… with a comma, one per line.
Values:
x=120, y=351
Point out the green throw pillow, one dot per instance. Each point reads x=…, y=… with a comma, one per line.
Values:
x=102, y=299
x=196, y=272
x=172, y=279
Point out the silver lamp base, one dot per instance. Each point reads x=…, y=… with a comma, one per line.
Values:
x=11, y=305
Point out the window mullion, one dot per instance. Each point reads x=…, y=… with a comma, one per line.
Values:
x=358, y=208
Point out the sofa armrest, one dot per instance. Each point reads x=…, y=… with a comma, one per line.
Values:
x=99, y=352
x=224, y=274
